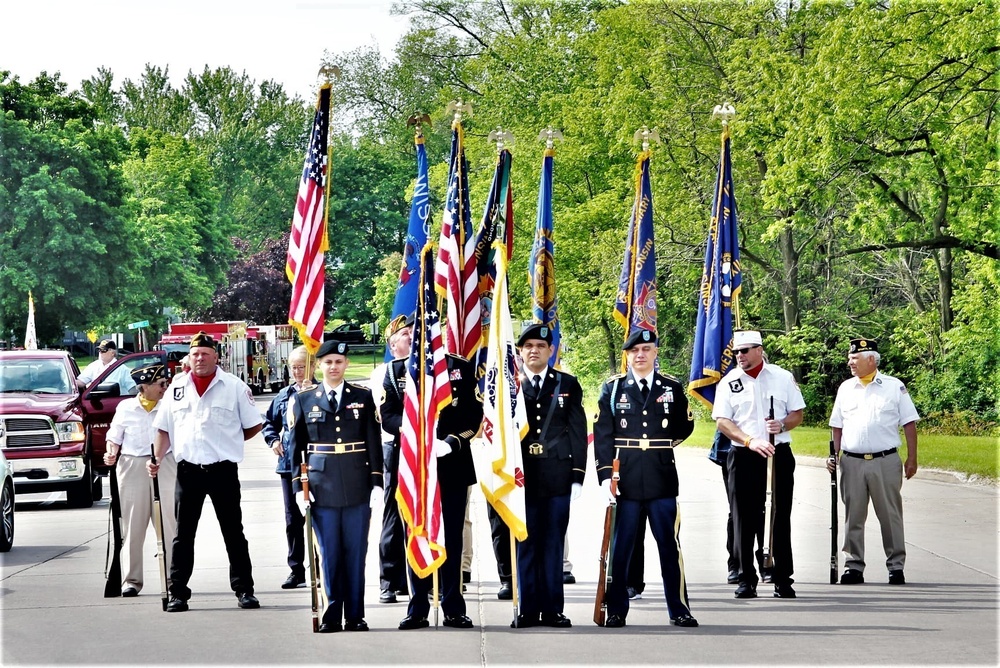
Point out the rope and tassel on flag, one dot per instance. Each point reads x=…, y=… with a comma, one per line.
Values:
x=718, y=295
x=428, y=391
x=541, y=263
x=505, y=420
x=305, y=261
x=635, y=305
x=30, y=339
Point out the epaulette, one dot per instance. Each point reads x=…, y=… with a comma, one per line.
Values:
x=617, y=376
x=308, y=388
x=669, y=377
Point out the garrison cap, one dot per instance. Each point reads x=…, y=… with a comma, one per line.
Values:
x=536, y=331
x=639, y=336
x=332, y=348
x=398, y=323
x=149, y=374
x=202, y=340
x=863, y=346
x=106, y=345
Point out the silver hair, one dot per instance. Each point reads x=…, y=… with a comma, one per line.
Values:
x=873, y=354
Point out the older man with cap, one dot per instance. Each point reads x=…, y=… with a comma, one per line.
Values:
x=642, y=415
x=206, y=420
x=742, y=411
x=392, y=543
x=554, y=453
x=129, y=438
x=107, y=351
x=336, y=434
x=868, y=413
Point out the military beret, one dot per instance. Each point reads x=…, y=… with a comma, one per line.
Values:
x=332, y=348
x=863, y=345
x=639, y=336
x=149, y=374
x=202, y=340
x=536, y=331
x=106, y=345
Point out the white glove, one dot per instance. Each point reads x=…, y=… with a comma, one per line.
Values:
x=575, y=491
x=300, y=501
x=441, y=448
x=376, y=498
x=606, y=486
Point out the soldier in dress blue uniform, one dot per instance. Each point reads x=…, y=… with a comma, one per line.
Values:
x=642, y=416
x=554, y=453
x=336, y=433
x=457, y=425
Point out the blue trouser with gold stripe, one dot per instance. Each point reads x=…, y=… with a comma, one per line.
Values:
x=664, y=523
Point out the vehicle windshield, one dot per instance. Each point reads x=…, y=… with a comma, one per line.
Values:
x=34, y=375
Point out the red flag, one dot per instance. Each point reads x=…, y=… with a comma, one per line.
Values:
x=428, y=390
x=457, y=278
x=308, y=243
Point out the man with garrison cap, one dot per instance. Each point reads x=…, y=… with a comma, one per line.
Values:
x=554, y=453
x=206, y=418
x=869, y=410
x=337, y=435
x=743, y=402
x=642, y=415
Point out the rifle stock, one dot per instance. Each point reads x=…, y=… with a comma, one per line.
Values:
x=834, y=521
x=604, y=572
x=158, y=528
x=314, y=592
x=113, y=572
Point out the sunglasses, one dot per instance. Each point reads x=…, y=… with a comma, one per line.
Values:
x=744, y=351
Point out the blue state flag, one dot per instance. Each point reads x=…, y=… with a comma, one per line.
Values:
x=541, y=264
x=408, y=287
x=718, y=296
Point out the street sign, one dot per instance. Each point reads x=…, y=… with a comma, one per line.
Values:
x=137, y=325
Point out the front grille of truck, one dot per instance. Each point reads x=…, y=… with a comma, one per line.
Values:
x=27, y=432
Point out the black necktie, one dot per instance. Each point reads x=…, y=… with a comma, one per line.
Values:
x=644, y=388
x=537, y=382
x=333, y=401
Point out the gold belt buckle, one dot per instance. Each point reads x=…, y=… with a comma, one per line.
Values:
x=644, y=444
x=869, y=455
x=340, y=448
x=536, y=449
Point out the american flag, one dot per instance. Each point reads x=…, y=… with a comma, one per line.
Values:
x=428, y=390
x=308, y=243
x=456, y=277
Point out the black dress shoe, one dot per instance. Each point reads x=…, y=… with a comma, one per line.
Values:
x=895, y=578
x=293, y=581
x=784, y=590
x=556, y=620
x=687, y=621
x=524, y=622
x=129, y=592
x=733, y=577
x=387, y=596
x=177, y=605
x=410, y=622
x=360, y=625
x=852, y=577
x=746, y=590
x=458, y=622
x=614, y=621
x=247, y=601
x=466, y=577
x=328, y=628
x=505, y=593
x=568, y=578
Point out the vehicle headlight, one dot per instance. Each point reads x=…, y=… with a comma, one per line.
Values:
x=70, y=432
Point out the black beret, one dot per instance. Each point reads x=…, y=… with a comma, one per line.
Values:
x=202, y=340
x=863, y=345
x=149, y=374
x=536, y=331
x=332, y=347
x=106, y=345
x=639, y=336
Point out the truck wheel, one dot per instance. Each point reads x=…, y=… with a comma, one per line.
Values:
x=81, y=494
x=7, y=518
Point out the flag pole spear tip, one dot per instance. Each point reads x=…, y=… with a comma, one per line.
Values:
x=724, y=111
x=549, y=135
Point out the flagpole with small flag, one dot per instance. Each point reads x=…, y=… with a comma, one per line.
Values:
x=30, y=339
x=721, y=281
x=541, y=263
x=635, y=305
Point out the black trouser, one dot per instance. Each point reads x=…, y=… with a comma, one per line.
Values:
x=637, y=564
x=453, y=500
x=221, y=483
x=501, y=544
x=294, y=528
x=747, y=488
x=392, y=544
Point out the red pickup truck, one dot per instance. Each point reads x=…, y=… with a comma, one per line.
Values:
x=51, y=433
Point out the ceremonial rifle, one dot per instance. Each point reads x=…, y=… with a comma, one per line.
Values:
x=158, y=528
x=768, y=560
x=834, y=556
x=607, y=549
x=304, y=478
x=113, y=573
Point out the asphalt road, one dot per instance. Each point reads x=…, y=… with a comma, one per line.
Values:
x=52, y=610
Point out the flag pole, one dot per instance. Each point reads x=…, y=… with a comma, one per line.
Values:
x=726, y=112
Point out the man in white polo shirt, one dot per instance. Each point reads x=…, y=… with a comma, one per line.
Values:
x=869, y=410
x=206, y=418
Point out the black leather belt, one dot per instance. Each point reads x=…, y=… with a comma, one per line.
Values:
x=337, y=448
x=870, y=455
x=644, y=443
x=206, y=467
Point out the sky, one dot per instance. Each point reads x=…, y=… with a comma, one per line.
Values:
x=282, y=40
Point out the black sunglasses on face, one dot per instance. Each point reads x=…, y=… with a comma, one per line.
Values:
x=744, y=351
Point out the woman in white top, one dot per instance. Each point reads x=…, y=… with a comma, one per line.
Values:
x=129, y=439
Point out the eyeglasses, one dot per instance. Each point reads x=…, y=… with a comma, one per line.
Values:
x=744, y=351
x=163, y=383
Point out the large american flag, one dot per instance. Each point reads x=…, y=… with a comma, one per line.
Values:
x=456, y=277
x=308, y=243
x=428, y=390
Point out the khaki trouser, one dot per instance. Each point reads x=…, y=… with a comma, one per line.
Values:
x=135, y=489
x=879, y=479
